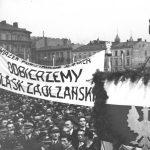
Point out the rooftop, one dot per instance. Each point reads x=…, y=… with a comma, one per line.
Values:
x=5, y=26
x=91, y=47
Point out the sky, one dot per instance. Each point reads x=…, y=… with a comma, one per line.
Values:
x=80, y=21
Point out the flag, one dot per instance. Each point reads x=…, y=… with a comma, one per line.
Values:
x=124, y=118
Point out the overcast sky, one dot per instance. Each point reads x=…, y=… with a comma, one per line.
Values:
x=80, y=20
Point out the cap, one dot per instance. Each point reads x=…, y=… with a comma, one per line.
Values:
x=28, y=125
x=55, y=130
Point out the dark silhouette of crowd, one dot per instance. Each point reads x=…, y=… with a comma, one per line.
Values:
x=28, y=123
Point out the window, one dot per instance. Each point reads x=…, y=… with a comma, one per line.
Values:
x=121, y=62
x=61, y=54
x=68, y=54
x=128, y=62
x=127, y=52
x=84, y=55
x=57, y=55
x=116, y=53
x=7, y=37
x=116, y=62
x=145, y=53
x=79, y=55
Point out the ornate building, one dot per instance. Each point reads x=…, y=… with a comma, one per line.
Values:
x=125, y=55
x=16, y=40
x=130, y=54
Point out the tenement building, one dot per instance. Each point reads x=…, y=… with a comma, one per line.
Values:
x=130, y=54
x=125, y=55
x=16, y=40
x=52, y=51
x=88, y=50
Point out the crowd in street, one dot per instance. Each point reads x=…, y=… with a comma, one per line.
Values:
x=28, y=123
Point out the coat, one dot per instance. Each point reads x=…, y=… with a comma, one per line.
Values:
x=9, y=142
x=30, y=144
x=56, y=146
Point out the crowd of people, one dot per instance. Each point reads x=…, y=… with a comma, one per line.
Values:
x=28, y=123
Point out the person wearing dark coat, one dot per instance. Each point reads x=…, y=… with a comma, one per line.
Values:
x=29, y=141
x=9, y=142
x=91, y=143
x=66, y=142
x=55, y=143
x=82, y=127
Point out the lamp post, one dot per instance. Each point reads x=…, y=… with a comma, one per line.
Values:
x=73, y=58
x=53, y=60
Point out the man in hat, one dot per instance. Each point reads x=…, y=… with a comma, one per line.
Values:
x=29, y=140
x=9, y=142
x=55, y=144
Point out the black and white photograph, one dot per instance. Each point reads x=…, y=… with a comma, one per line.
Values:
x=74, y=75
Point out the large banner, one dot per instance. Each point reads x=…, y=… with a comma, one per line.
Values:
x=67, y=84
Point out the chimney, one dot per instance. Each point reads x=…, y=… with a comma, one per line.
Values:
x=3, y=22
x=65, y=42
x=15, y=24
x=139, y=39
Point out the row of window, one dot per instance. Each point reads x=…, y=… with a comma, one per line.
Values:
x=121, y=52
x=14, y=37
x=56, y=56
x=121, y=62
x=83, y=55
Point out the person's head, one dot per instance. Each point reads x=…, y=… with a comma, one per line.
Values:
x=20, y=121
x=55, y=133
x=10, y=128
x=28, y=128
x=4, y=122
x=80, y=114
x=93, y=130
x=82, y=122
x=65, y=141
x=81, y=135
x=65, y=130
x=69, y=124
x=60, y=117
x=6, y=108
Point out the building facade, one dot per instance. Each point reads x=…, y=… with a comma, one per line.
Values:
x=88, y=50
x=52, y=52
x=130, y=55
x=125, y=55
x=16, y=40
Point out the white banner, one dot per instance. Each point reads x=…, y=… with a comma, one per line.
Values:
x=67, y=84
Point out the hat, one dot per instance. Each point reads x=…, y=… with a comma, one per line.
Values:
x=28, y=125
x=55, y=130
